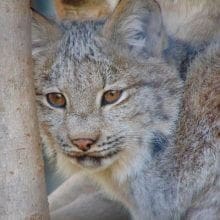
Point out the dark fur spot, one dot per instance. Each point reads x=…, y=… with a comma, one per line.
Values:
x=139, y=36
x=181, y=54
x=159, y=142
x=218, y=107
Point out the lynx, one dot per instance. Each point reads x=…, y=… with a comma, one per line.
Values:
x=196, y=153
x=108, y=107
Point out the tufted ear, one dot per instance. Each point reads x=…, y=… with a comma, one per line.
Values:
x=136, y=26
x=44, y=34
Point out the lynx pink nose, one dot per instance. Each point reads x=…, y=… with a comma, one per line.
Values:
x=83, y=144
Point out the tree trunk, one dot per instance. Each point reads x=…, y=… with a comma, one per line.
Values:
x=22, y=184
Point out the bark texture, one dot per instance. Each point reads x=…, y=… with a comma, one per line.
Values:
x=22, y=184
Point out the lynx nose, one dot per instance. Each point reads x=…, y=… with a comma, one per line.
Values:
x=83, y=143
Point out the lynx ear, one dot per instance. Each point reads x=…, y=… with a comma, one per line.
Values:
x=44, y=33
x=136, y=26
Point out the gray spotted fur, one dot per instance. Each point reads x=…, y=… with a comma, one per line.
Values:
x=151, y=186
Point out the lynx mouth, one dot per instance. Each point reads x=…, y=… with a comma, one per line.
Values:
x=94, y=155
x=93, y=159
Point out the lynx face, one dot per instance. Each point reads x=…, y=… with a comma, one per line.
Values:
x=101, y=104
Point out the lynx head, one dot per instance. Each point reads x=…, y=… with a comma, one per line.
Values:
x=105, y=100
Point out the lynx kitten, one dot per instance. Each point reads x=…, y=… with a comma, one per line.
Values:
x=108, y=106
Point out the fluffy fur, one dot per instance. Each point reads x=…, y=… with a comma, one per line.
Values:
x=194, y=21
x=198, y=141
x=136, y=157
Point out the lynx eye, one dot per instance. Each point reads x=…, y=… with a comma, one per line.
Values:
x=111, y=96
x=56, y=100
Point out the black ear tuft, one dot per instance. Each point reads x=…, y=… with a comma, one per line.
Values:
x=181, y=54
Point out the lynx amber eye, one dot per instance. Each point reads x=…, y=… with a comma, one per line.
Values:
x=111, y=96
x=56, y=100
